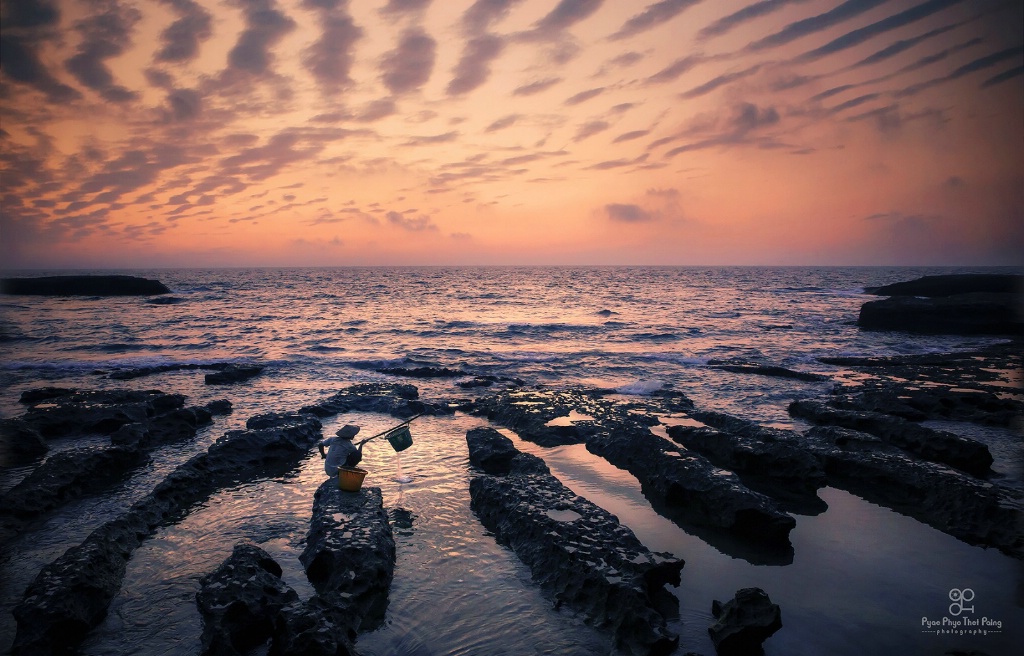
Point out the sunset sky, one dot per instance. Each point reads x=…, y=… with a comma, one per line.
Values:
x=324, y=132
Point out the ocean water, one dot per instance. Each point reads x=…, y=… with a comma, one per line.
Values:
x=862, y=576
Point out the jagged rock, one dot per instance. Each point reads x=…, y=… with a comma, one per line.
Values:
x=972, y=510
x=744, y=622
x=74, y=473
x=57, y=412
x=578, y=552
x=765, y=370
x=938, y=446
x=386, y=398
x=307, y=629
x=240, y=602
x=70, y=596
x=490, y=451
x=685, y=483
x=951, y=284
x=139, y=372
x=350, y=555
x=233, y=373
x=68, y=475
x=83, y=286
x=19, y=442
x=772, y=461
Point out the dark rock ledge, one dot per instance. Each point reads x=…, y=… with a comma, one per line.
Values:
x=938, y=446
x=136, y=422
x=349, y=559
x=578, y=552
x=949, y=500
x=679, y=483
x=962, y=304
x=82, y=285
x=70, y=596
x=741, y=367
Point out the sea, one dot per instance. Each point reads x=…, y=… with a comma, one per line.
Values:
x=863, y=579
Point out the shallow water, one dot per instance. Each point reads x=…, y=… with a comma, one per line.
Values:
x=861, y=579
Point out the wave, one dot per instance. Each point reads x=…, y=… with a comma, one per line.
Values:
x=642, y=387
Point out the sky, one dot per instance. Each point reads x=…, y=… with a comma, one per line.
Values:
x=177, y=133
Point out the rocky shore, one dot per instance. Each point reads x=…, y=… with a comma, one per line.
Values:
x=734, y=483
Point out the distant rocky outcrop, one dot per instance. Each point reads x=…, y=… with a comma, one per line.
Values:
x=744, y=622
x=953, y=284
x=83, y=286
x=579, y=553
x=962, y=304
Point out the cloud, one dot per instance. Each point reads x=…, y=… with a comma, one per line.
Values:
x=483, y=13
x=376, y=110
x=651, y=17
x=740, y=127
x=474, y=67
x=417, y=224
x=719, y=81
x=1003, y=77
x=30, y=13
x=617, y=163
x=845, y=11
x=584, y=96
x=675, y=69
x=566, y=14
x=409, y=65
x=264, y=28
x=106, y=34
x=628, y=213
x=589, y=129
x=404, y=6
x=183, y=105
x=20, y=62
x=978, y=64
x=905, y=44
x=748, y=13
x=502, y=123
x=447, y=137
x=629, y=136
x=181, y=38
x=893, y=22
x=330, y=57
x=536, y=87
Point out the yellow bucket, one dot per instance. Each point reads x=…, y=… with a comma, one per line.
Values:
x=350, y=479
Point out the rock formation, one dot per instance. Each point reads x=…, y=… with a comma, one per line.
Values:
x=82, y=286
x=744, y=622
x=578, y=552
x=962, y=304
